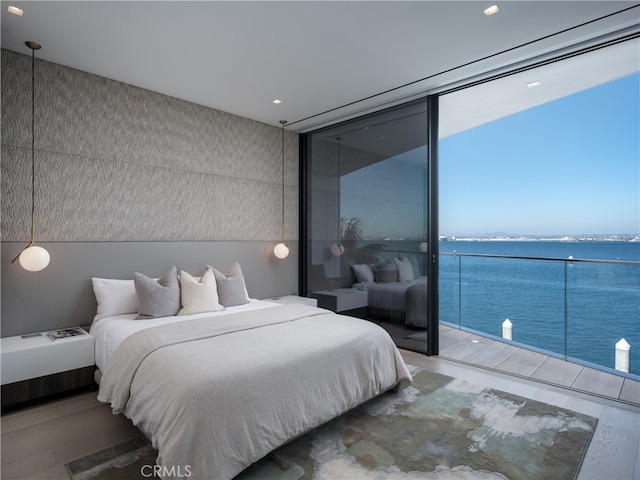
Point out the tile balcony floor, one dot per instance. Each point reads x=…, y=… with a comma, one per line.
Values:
x=495, y=355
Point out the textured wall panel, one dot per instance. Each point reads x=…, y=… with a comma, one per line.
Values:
x=111, y=201
x=119, y=163
x=16, y=193
x=129, y=180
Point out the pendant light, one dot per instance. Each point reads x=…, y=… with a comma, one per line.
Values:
x=281, y=250
x=33, y=257
x=337, y=249
x=423, y=246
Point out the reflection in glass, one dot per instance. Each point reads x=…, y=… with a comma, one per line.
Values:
x=367, y=204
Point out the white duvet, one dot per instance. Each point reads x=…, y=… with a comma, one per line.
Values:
x=109, y=332
x=217, y=394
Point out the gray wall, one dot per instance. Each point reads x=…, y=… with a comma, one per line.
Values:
x=61, y=295
x=121, y=170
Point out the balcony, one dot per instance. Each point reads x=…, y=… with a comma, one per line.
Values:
x=570, y=309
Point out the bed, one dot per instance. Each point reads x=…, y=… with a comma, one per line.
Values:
x=407, y=298
x=395, y=286
x=216, y=391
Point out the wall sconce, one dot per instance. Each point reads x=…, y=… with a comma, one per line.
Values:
x=281, y=250
x=33, y=257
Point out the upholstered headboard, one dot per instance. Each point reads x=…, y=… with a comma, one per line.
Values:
x=62, y=294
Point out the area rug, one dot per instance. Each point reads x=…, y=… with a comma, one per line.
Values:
x=439, y=428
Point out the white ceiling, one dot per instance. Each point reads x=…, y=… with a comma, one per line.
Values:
x=324, y=60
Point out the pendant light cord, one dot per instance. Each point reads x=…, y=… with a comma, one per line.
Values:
x=339, y=194
x=33, y=46
x=283, y=180
x=283, y=122
x=33, y=135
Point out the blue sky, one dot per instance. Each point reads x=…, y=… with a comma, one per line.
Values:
x=571, y=166
x=567, y=167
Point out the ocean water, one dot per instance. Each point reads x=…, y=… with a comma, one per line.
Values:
x=576, y=309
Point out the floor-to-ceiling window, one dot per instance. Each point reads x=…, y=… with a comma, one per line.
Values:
x=540, y=206
x=367, y=225
x=370, y=216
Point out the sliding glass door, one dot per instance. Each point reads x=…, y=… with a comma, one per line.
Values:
x=367, y=239
x=540, y=211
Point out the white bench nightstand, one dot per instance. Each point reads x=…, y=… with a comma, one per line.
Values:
x=341, y=299
x=312, y=302
x=35, y=366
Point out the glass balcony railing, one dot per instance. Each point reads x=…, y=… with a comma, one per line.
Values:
x=579, y=310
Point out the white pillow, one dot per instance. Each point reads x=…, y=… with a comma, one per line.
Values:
x=114, y=297
x=198, y=296
x=405, y=270
x=414, y=264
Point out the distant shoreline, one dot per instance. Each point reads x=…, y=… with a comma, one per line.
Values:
x=516, y=238
x=544, y=238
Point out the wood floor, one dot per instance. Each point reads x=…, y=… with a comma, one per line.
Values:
x=38, y=441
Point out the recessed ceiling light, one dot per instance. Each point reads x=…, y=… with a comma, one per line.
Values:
x=533, y=84
x=277, y=102
x=15, y=10
x=492, y=10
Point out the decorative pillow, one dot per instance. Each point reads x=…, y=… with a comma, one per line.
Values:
x=386, y=276
x=387, y=271
x=114, y=297
x=157, y=298
x=363, y=273
x=231, y=287
x=414, y=265
x=198, y=296
x=405, y=270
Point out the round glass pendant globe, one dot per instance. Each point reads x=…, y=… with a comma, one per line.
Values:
x=424, y=247
x=337, y=249
x=281, y=250
x=34, y=258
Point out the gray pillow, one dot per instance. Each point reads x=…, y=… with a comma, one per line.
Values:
x=386, y=276
x=232, y=290
x=387, y=271
x=363, y=273
x=157, y=298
